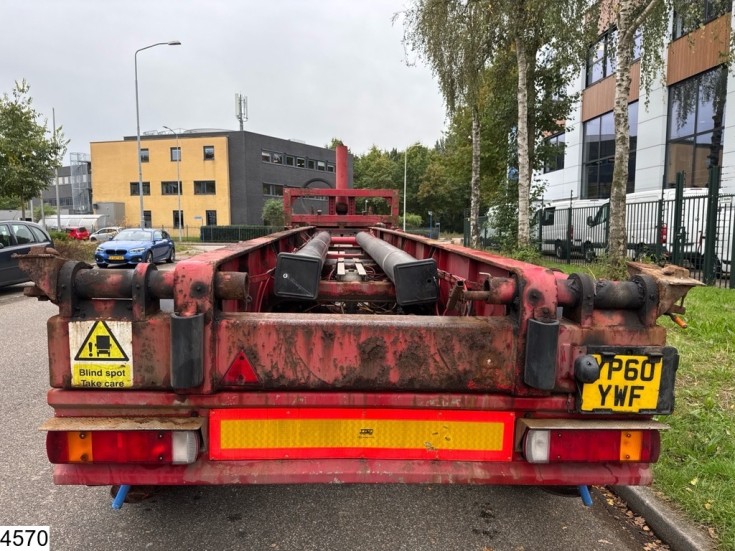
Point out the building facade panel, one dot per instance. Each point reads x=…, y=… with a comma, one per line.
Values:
x=225, y=175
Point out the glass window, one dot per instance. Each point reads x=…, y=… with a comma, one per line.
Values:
x=599, y=154
x=265, y=156
x=330, y=167
x=300, y=162
x=178, y=219
x=169, y=188
x=310, y=163
x=175, y=154
x=22, y=233
x=205, y=187
x=696, y=122
x=134, y=188
x=290, y=160
x=555, y=160
x=704, y=12
x=211, y=217
x=601, y=57
x=144, y=156
x=4, y=235
x=147, y=219
x=277, y=158
x=208, y=151
x=321, y=165
x=272, y=190
x=38, y=234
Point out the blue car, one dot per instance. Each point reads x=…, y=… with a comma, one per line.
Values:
x=134, y=245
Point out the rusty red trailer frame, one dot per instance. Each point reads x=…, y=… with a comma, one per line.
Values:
x=461, y=391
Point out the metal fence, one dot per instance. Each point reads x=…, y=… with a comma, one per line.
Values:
x=694, y=228
x=218, y=234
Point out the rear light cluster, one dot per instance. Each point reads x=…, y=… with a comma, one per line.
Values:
x=555, y=446
x=136, y=446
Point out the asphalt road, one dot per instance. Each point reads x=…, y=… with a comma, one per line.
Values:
x=293, y=518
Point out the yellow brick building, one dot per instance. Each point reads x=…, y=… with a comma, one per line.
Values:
x=226, y=176
x=203, y=170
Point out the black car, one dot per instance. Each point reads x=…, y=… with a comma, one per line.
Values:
x=17, y=237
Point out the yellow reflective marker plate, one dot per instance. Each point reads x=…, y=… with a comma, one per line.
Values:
x=349, y=433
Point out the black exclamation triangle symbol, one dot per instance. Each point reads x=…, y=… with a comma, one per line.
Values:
x=90, y=349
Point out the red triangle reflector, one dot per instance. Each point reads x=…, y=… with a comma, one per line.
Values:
x=240, y=371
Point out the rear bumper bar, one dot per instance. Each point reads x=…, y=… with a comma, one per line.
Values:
x=354, y=471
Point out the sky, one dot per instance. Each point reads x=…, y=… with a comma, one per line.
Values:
x=311, y=69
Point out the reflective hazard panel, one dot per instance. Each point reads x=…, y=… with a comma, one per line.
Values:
x=101, y=354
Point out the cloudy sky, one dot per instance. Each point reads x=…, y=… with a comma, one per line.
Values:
x=312, y=69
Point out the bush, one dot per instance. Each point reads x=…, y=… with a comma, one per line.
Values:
x=57, y=235
x=74, y=249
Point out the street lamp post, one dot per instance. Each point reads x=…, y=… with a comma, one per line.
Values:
x=178, y=175
x=137, y=120
x=405, y=171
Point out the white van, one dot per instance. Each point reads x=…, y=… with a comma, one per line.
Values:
x=646, y=239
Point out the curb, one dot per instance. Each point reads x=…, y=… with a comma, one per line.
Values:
x=668, y=524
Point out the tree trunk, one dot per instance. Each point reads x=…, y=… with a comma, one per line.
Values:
x=618, y=235
x=524, y=162
x=475, y=182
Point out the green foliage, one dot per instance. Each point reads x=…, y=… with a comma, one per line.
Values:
x=29, y=152
x=334, y=143
x=48, y=210
x=57, y=235
x=412, y=220
x=697, y=463
x=273, y=212
x=9, y=203
x=73, y=249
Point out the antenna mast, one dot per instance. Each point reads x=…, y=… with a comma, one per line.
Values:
x=241, y=110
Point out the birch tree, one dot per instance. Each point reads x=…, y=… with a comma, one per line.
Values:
x=649, y=19
x=544, y=37
x=452, y=37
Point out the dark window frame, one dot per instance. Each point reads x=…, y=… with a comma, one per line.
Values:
x=170, y=187
x=202, y=187
x=134, y=189
x=557, y=163
x=696, y=176
x=175, y=150
x=599, y=155
x=606, y=61
x=210, y=217
x=178, y=220
x=145, y=155
x=708, y=14
x=208, y=152
x=271, y=190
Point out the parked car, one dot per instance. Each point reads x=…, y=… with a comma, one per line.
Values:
x=80, y=233
x=134, y=245
x=105, y=234
x=18, y=237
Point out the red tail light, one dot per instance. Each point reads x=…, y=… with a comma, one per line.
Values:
x=664, y=234
x=135, y=446
x=555, y=446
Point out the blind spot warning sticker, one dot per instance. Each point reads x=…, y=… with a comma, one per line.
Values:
x=101, y=354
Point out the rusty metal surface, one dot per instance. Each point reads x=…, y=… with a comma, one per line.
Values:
x=356, y=291
x=121, y=423
x=363, y=471
x=147, y=402
x=317, y=351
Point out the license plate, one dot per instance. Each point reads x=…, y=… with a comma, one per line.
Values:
x=628, y=383
x=116, y=257
x=350, y=433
